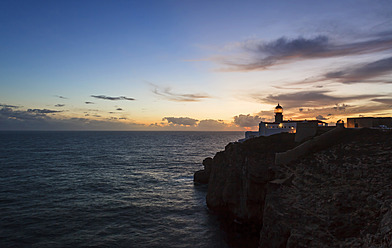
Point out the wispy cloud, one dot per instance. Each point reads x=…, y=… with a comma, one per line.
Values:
x=387, y=101
x=59, y=105
x=178, y=97
x=362, y=73
x=61, y=97
x=321, y=118
x=113, y=98
x=311, y=98
x=342, y=111
x=8, y=106
x=262, y=55
x=372, y=72
x=88, y=102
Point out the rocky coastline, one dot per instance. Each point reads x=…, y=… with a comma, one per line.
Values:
x=336, y=194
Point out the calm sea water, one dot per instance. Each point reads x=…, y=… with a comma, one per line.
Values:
x=107, y=189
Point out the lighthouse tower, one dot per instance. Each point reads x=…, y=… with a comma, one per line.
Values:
x=278, y=114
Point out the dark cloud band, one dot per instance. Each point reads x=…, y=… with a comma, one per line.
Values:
x=312, y=98
x=113, y=98
x=362, y=73
x=8, y=106
x=43, y=111
x=283, y=50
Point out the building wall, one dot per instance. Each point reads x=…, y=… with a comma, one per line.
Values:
x=267, y=129
x=385, y=121
x=305, y=130
x=369, y=122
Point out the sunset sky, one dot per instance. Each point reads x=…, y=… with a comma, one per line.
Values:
x=191, y=65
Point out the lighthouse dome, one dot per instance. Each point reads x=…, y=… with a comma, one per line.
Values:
x=278, y=109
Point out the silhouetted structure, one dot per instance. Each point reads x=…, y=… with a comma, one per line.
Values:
x=278, y=114
x=370, y=122
x=302, y=128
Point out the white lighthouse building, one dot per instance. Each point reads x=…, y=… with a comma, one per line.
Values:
x=279, y=126
x=282, y=126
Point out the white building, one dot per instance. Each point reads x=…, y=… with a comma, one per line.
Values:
x=279, y=126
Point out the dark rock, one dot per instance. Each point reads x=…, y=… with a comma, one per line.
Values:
x=201, y=176
x=207, y=162
x=337, y=196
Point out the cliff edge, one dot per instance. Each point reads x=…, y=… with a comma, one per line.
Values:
x=335, y=195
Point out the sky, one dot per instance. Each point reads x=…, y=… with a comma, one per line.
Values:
x=191, y=65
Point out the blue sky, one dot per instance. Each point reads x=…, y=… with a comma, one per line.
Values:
x=191, y=65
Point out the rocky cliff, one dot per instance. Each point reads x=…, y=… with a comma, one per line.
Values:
x=338, y=195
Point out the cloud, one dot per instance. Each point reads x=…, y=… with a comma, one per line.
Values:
x=43, y=111
x=61, y=97
x=284, y=50
x=113, y=98
x=311, y=98
x=341, y=111
x=321, y=118
x=59, y=105
x=187, y=123
x=89, y=103
x=8, y=106
x=387, y=101
x=37, y=119
x=247, y=120
x=340, y=107
x=119, y=109
x=33, y=120
x=360, y=74
x=183, y=121
x=9, y=113
x=169, y=95
x=210, y=124
x=31, y=115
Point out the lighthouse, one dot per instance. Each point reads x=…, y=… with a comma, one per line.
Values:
x=278, y=114
x=302, y=128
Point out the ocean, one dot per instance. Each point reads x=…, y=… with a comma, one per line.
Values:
x=107, y=189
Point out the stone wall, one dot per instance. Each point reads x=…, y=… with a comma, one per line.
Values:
x=312, y=145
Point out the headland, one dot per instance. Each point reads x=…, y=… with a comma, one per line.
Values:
x=333, y=190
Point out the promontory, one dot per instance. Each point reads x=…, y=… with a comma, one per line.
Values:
x=334, y=190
